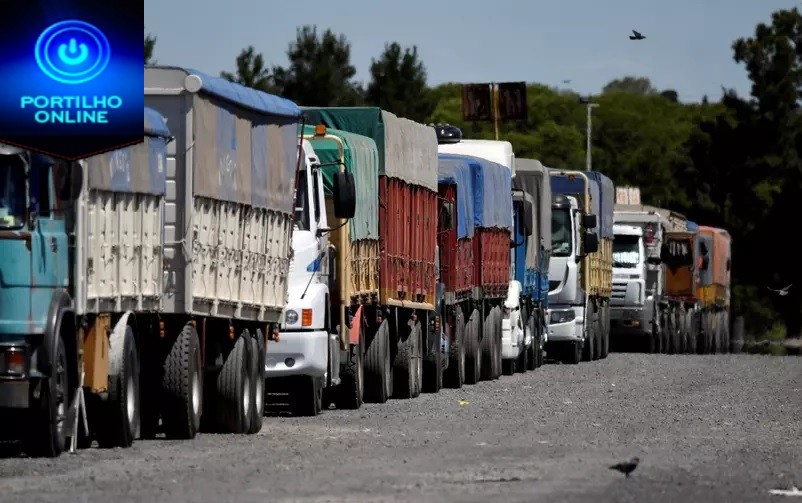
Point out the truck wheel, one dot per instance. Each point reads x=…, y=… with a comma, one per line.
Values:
x=454, y=376
x=533, y=351
x=407, y=363
x=48, y=436
x=497, y=324
x=588, y=346
x=575, y=352
x=258, y=380
x=348, y=394
x=606, y=331
x=119, y=424
x=598, y=336
x=234, y=388
x=473, y=349
x=306, y=396
x=377, y=366
x=487, y=345
x=182, y=386
x=432, y=369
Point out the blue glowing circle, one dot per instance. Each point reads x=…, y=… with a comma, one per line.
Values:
x=72, y=52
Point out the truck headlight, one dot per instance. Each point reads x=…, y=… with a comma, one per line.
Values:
x=562, y=316
x=291, y=317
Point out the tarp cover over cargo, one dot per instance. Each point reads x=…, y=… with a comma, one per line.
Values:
x=455, y=170
x=602, y=194
x=492, y=187
x=533, y=178
x=246, y=141
x=361, y=158
x=407, y=149
x=139, y=168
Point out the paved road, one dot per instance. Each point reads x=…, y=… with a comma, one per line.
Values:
x=707, y=428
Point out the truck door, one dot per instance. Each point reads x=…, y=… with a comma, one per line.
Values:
x=49, y=253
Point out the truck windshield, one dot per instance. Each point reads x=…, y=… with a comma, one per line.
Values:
x=626, y=252
x=302, y=204
x=12, y=196
x=561, y=233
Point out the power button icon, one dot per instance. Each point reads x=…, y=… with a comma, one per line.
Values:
x=72, y=52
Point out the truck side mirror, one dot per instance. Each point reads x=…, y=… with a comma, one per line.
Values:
x=527, y=219
x=344, y=195
x=591, y=242
x=589, y=221
x=447, y=216
x=68, y=179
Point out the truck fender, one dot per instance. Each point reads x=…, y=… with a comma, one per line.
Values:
x=355, y=332
x=117, y=338
x=59, y=304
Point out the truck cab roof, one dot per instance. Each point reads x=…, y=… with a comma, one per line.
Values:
x=627, y=230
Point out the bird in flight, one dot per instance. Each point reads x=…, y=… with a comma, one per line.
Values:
x=567, y=81
x=782, y=292
x=626, y=467
x=636, y=36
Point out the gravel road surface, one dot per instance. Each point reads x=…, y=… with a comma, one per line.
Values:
x=706, y=428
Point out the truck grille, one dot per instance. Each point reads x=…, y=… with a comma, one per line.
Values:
x=619, y=290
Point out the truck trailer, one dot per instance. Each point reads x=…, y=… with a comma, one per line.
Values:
x=525, y=328
x=314, y=361
x=474, y=262
x=398, y=320
x=492, y=253
x=641, y=309
x=580, y=270
x=224, y=256
x=81, y=253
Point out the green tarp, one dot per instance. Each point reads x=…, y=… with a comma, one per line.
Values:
x=407, y=149
x=362, y=159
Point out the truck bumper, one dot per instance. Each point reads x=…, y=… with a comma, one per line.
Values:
x=629, y=321
x=298, y=353
x=566, y=331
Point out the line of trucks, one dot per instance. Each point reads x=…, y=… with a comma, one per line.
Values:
x=251, y=250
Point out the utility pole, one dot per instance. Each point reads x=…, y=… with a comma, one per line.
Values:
x=590, y=105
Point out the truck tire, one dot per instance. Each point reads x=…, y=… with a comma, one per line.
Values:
x=306, y=396
x=590, y=338
x=598, y=336
x=377, y=366
x=257, y=381
x=348, y=394
x=454, y=376
x=573, y=354
x=234, y=388
x=182, y=386
x=533, y=351
x=407, y=365
x=473, y=349
x=47, y=435
x=497, y=327
x=606, y=330
x=118, y=425
x=432, y=368
x=488, y=345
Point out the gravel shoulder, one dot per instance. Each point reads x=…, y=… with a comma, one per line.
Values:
x=707, y=428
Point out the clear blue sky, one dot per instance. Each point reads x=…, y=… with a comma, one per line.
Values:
x=688, y=45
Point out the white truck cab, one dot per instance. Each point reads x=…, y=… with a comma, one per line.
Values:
x=309, y=348
x=566, y=312
x=629, y=300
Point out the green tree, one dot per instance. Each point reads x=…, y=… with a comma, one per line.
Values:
x=251, y=71
x=150, y=44
x=398, y=83
x=630, y=84
x=320, y=72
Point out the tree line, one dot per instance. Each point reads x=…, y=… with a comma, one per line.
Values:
x=734, y=162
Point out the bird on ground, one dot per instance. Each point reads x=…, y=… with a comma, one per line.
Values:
x=636, y=36
x=626, y=467
x=782, y=292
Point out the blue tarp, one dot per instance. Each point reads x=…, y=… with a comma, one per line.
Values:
x=602, y=194
x=243, y=96
x=155, y=125
x=457, y=171
x=692, y=226
x=492, y=191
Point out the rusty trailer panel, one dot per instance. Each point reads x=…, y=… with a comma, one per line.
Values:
x=456, y=256
x=407, y=238
x=491, y=249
